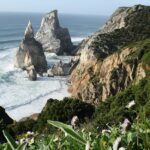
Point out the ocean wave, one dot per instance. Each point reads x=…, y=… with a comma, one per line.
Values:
x=11, y=34
x=8, y=76
x=10, y=41
x=3, y=48
x=6, y=29
x=27, y=102
x=37, y=102
x=51, y=55
x=16, y=41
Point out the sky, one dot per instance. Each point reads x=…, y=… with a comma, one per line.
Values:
x=93, y=7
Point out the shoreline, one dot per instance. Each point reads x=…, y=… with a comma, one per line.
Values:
x=21, y=97
x=24, y=110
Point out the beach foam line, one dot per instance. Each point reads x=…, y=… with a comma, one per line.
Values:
x=27, y=102
x=18, y=112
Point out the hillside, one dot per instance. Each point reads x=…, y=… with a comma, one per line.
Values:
x=114, y=57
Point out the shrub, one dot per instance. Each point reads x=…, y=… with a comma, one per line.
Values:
x=4, y=121
x=54, y=110
x=64, y=111
x=114, y=110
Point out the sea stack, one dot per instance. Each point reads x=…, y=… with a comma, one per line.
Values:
x=52, y=36
x=30, y=54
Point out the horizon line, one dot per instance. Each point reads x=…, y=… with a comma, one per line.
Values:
x=62, y=13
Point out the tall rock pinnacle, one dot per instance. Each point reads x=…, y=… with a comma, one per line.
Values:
x=52, y=36
x=29, y=33
x=30, y=55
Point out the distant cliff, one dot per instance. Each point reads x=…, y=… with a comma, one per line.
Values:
x=114, y=57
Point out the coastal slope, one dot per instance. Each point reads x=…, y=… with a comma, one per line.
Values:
x=114, y=57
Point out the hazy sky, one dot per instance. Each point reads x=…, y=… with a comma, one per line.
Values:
x=99, y=7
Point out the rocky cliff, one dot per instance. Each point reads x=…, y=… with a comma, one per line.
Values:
x=30, y=55
x=53, y=37
x=4, y=117
x=114, y=57
x=4, y=121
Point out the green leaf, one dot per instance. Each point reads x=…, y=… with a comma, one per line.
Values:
x=68, y=129
x=10, y=140
x=7, y=147
x=22, y=146
x=131, y=136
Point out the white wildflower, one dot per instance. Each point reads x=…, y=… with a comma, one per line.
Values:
x=83, y=130
x=122, y=148
x=116, y=143
x=75, y=121
x=131, y=104
x=30, y=133
x=87, y=146
x=66, y=134
x=90, y=134
x=105, y=131
x=22, y=140
x=56, y=139
x=31, y=141
x=125, y=125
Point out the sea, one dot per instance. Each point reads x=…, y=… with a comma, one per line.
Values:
x=19, y=96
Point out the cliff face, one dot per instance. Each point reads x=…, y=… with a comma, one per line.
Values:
x=114, y=57
x=54, y=38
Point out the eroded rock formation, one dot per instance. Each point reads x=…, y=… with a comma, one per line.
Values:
x=53, y=37
x=30, y=54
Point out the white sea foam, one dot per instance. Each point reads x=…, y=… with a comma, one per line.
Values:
x=22, y=97
x=77, y=39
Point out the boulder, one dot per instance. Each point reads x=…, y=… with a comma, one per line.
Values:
x=32, y=74
x=59, y=69
x=30, y=53
x=56, y=70
x=53, y=37
x=50, y=73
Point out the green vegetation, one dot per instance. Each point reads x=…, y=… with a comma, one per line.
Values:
x=64, y=111
x=137, y=137
x=136, y=29
x=54, y=110
x=114, y=110
x=142, y=51
x=5, y=120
